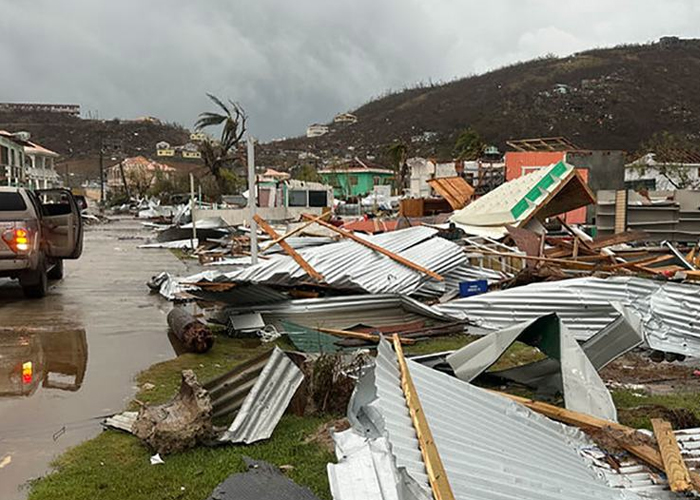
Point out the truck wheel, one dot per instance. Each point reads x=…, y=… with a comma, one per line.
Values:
x=36, y=284
x=56, y=272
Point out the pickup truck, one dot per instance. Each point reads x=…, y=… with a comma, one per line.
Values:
x=38, y=230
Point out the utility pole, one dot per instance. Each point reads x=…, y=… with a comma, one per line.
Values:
x=194, y=222
x=252, y=201
x=102, y=172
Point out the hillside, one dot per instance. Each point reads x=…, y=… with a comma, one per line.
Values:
x=78, y=140
x=604, y=99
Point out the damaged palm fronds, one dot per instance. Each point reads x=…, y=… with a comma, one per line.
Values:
x=254, y=394
x=479, y=446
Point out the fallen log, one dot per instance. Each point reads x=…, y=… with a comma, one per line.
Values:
x=194, y=335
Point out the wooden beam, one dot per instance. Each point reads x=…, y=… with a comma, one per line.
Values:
x=437, y=476
x=644, y=452
x=377, y=248
x=358, y=335
x=290, y=251
x=570, y=263
x=676, y=471
x=295, y=231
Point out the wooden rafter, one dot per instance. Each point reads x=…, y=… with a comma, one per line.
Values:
x=437, y=476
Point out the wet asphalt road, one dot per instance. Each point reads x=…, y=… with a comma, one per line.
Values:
x=87, y=339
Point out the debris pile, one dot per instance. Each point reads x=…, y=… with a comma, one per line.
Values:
x=505, y=297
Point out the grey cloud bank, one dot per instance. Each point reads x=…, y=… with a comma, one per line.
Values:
x=291, y=63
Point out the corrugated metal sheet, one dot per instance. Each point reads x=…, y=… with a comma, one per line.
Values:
x=229, y=391
x=345, y=312
x=352, y=266
x=366, y=470
x=265, y=403
x=582, y=387
x=670, y=312
x=492, y=448
x=122, y=421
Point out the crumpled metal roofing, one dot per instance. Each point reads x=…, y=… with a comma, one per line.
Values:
x=491, y=448
x=267, y=400
x=344, y=312
x=583, y=389
x=366, y=470
x=350, y=265
x=670, y=311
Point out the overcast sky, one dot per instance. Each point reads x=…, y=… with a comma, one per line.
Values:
x=292, y=62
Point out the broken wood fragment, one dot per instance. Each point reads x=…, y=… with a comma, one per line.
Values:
x=437, y=477
x=377, y=248
x=676, y=470
x=287, y=248
x=299, y=229
x=359, y=335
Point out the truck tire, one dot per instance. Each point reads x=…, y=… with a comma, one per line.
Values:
x=35, y=284
x=56, y=272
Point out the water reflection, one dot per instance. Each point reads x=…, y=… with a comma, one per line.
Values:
x=52, y=358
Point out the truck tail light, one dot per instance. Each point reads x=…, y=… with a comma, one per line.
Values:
x=17, y=239
x=27, y=372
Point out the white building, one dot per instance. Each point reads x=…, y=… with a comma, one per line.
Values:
x=422, y=170
x=40, y=165
x=316, y=130
x=345, y=118
x=12, y=171
x=679, y=170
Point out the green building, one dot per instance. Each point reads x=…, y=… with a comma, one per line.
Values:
x=356, y=178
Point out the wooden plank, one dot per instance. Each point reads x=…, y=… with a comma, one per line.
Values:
x=290, y=251
x=437, y=476
x=295, y=231
x=377, y=248
x=646, y=453
x=568, y=263
x=642, y=262
x=358, y=335
x=676, y=471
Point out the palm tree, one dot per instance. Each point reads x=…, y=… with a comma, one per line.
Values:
x=398, y=152
x=221, y=154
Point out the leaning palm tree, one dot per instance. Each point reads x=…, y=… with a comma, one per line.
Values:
x=222, y=154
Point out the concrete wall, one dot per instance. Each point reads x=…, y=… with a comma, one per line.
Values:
x=606, y=168
x=238, y=216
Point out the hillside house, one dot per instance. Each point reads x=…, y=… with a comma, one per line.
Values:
x=664, y=171
x=12, y=167
x=140, y=173
x=348, y=118
x=356, y=178
x=316, y=130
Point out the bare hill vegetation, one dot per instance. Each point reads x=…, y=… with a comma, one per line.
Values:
x=606, y=98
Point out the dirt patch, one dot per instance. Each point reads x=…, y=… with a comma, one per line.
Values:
x=322, y=435
x=637, y=368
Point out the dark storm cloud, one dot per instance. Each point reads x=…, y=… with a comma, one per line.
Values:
x=290, y=63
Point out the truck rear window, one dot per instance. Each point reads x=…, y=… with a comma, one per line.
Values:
x=12, y=202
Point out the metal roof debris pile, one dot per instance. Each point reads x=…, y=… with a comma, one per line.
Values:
x=490, y=447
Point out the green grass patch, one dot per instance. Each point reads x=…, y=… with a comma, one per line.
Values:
x=627, y=400
x=115, y=465
x=439, y=344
